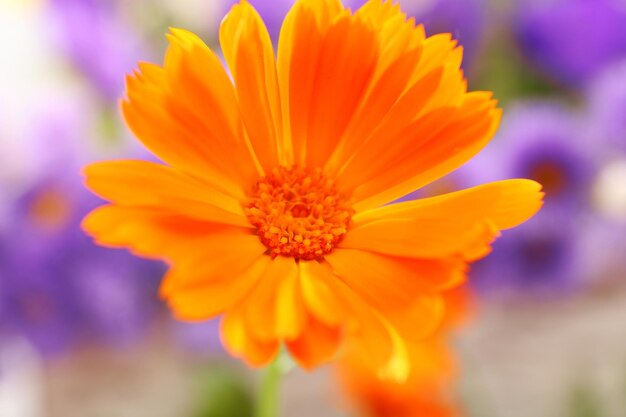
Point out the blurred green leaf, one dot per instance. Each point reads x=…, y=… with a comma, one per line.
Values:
x=108, y=124
x=504, y=71
x=223, y=393
x=585, y=402
x=624, y=394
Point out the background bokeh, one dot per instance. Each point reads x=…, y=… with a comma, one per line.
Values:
x=82, y=332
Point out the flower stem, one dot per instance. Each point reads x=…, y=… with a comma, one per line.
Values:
x=267, y=402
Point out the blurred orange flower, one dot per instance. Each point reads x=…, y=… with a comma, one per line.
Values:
x=271, y=208
x=429, y=387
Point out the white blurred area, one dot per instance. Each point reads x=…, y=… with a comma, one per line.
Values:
x=21, y=381
x=610, y=190
x=30, y=72
x=29, y=67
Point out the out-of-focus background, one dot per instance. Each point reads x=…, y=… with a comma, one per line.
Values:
x=82, y=332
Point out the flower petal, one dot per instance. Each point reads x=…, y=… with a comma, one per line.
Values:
x=214, y=286
x=414, y=77
x=344, y=69
x=326, y=57
x=421, y=151
x=365, y=328
x=149, y=185
x=318, y=297
x=315, y=346
x=187, y=114
x=463, y=223
x=403, y=290
x=394, y=279
x=249, y=53
x=154, y=233
x=400, y=50
x=238, y=340
x=274, y=309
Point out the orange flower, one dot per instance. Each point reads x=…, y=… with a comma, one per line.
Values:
x=270, y=207
x=428, y=389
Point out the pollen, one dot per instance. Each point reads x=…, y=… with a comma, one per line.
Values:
x=298, y=213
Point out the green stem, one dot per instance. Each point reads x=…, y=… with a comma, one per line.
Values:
x=267, y=402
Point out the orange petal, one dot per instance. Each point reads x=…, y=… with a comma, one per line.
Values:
x=211, y=257
x=392, y=132
x=249, y=53
x=187, y=114
x=213, y=287
x=318, y=297
x=396, y=33
x=460, y=307
x=368, y=330
x=149, y=185
x=439, y=50
x=240, y=342
x=383, y=96
x=301, y=47
x=419, y=320
x=403, y=290
x=274, y=309
x=344, y=69
x=400, y=50
x=290, y=312
x=154, y=233
x=425, y=150
x=316, y=345
x=414, y=77
x=462, y=223
x=393, y=279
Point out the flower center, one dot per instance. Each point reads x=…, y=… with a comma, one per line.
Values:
x=298, y=212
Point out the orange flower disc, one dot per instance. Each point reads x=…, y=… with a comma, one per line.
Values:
x=298, y=213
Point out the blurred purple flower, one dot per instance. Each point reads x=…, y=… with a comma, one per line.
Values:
x=542, y=141
x=540, y=259
x=572, y=40
x=465, y=20
x=57, y=288
x=607, y=108
x=97, y=41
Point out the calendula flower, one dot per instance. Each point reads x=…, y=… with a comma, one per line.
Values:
x=271, y=205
